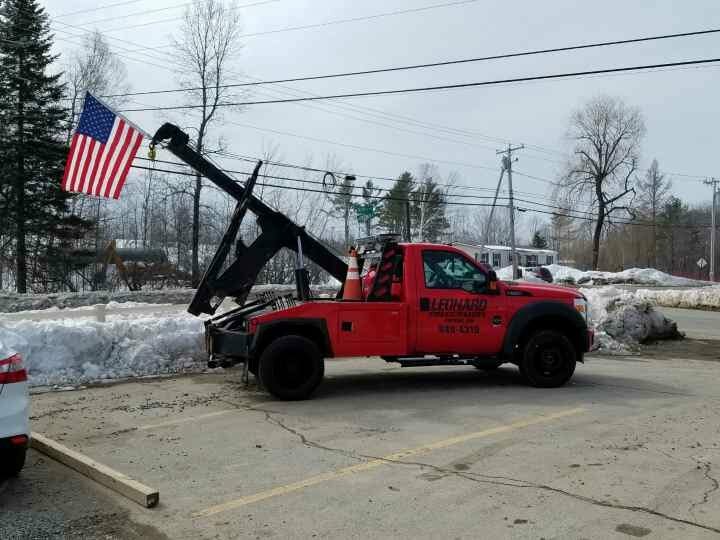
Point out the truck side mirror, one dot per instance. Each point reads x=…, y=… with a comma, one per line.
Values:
x=469, y=286
x=492, y=280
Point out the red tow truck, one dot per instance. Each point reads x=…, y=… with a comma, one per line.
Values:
x=428, y=304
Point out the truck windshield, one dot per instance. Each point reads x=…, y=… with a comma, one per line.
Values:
x=447, y=270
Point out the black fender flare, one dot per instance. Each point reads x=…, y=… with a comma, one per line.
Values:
x=315, y=329
x=544, y=314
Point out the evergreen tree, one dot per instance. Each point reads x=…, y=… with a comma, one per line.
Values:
x=342, y=202
x=32, y=151
x=428, y=211
x=393, y=207
x=369, y=207
x=539, y=241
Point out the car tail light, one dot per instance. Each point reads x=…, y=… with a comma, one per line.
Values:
x=12, y=370
x=19, y=440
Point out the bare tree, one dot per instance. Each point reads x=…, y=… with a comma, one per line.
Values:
x=654, y=190
x=607, y=134
x=94, y=68
x=208, y=40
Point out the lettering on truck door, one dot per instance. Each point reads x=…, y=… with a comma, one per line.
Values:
x=455, y=313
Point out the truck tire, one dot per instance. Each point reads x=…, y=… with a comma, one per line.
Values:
x=291, y=367
x=12, y=462
x=548, y=359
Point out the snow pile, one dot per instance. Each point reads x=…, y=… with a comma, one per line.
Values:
x=622, y=320
x=13, y=302
x=72, y=352
x=700, y=298
x=506, y=274
x=640, y=276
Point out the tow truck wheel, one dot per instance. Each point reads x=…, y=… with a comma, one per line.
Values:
x=548, y=359
x=291, y=367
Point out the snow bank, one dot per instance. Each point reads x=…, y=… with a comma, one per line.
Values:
x=622, y=320
x=702, y=298
x=13, y=302
x=640, y=276
x=72, y=352
x=506, y=274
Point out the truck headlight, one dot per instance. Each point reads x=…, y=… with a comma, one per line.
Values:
x=582, y=306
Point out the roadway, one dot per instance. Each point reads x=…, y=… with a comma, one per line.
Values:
x=695, y=323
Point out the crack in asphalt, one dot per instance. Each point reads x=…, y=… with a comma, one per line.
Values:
x=498, y=480
x=715, y=485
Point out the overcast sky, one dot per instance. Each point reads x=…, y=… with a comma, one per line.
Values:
x=679, y=106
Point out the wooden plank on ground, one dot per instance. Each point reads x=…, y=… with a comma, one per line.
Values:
x=102, y=474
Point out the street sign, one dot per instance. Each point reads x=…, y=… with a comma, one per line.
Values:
x=702, y=263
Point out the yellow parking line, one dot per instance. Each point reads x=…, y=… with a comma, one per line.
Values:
x=360, y=467
x=186, y=419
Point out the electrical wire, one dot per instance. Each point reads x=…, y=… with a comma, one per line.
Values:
x=446, y=62
x=439, y=87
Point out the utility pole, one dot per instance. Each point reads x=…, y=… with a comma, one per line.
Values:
x=507, y=161
x=486, y=236
x=713, y=182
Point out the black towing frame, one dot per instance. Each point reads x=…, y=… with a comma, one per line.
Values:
x=226, y=334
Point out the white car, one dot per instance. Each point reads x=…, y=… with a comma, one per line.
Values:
x=14, y=406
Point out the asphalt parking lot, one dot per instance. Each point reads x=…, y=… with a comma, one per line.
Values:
x=630, y=449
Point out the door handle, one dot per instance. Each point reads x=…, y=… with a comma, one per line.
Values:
x=424, y=304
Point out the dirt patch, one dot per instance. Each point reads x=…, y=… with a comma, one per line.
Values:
x=687, y=349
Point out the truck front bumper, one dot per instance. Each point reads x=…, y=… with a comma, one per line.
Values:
x=590, y=339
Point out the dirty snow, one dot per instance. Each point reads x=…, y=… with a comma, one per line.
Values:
x=506, y=274
x=640, y=276
x=12, y=302
x=622, y=320
x=699, y=298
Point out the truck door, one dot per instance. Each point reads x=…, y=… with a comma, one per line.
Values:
x=456, y=313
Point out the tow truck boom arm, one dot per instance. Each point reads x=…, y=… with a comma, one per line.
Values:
x=278, y=231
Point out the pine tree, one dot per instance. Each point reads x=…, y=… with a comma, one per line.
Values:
x=342, y=202
x=393, y=208
x=369, y=207
x=428, y=211
x=32, y=151
x=539, y=241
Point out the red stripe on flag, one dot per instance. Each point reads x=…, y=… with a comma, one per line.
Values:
x=109, y=151
x=91, y=179
x=126, y=166
x=68, y=163
x=126, y=137
x=74, y=183
x=86, y=163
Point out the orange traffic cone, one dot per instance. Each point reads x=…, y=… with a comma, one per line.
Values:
x=353, y=288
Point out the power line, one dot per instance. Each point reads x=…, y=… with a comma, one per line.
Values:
x=178, y=6
x=441, y=87
x=385, y=197
x=326, y=23
x=98, y=8
x=446, y=62
x=450, y=187
x=456, y=131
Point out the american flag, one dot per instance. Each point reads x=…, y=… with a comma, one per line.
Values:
x=101, y=151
